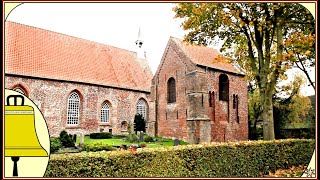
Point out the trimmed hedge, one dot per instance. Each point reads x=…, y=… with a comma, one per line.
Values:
x=101, y=135
x=241, y=159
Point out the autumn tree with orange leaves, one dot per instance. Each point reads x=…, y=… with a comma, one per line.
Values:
x=260, y=37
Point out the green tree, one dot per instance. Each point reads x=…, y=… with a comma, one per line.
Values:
x=254, y=37
x=293, y=107
x=140, y=123
x=300, y=48
x=254, y=111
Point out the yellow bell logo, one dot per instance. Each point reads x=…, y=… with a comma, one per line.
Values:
x=21, y=138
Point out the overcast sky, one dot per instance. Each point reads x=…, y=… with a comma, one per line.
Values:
x=115, y=24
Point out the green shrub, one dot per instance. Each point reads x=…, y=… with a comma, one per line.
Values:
x=119, y=136
x=132, y=137
x=101, y=135
x=148, y=138
x=66, y=139
x=55, y=144
x=241, y=159
x=97, y=147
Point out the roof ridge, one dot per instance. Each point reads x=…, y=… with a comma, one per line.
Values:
x=184, y=51
x=90, y=41
x=38, y=52
x=203, y=55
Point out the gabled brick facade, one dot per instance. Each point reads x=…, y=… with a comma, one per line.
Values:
x=48, y=67
x=193, y=117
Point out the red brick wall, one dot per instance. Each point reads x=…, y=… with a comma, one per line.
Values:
x=171, y=116
x=193, y=84
x=224, y=128
x=52, y=97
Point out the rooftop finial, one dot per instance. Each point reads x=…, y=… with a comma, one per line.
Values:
x=139, y=41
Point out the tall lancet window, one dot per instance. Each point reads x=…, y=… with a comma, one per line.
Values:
x=171, y=88
x=142, y=108
x=105, y=113
x=223, y=87
x=73, y=109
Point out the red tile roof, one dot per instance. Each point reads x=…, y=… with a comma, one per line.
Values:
x=204, y=56
x=41, y=53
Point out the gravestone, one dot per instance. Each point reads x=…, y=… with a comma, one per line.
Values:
x=141, y=136
x=75, y=138
x=81, y=142
x=124, y=146
x=176, y=142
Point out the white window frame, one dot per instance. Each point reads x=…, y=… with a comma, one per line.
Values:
x=142, y=108
x=73, y=111
x=105, y=113
x=20, y=90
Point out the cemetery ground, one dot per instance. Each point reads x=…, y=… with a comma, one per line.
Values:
x=119, y=141
x=67, y=143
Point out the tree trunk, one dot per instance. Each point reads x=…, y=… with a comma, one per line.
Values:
x=269, y=83
x=267, y=117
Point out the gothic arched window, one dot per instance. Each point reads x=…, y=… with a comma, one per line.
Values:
x=171, y=90
x=223, y=87
x=21, y=89
x=124, y=126
x=73, y=109
x=105, y=113
x=142, y=108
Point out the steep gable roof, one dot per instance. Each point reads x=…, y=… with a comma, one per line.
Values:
x=41, y=53
x=204, y=56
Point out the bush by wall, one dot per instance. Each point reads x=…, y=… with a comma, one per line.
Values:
x=101, y=135
x=242, y=159
x=66, y=139
x=55, y=144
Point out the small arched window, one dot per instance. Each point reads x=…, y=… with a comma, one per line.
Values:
x=124, y=125
x=105, y=113
x=171, y=90
x=223, y=87
x=20, y=91
x=73, y=109
x=142, y=109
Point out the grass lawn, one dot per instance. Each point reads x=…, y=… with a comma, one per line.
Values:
x=118, y=142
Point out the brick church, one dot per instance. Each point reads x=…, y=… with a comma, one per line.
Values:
x=83, y=86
